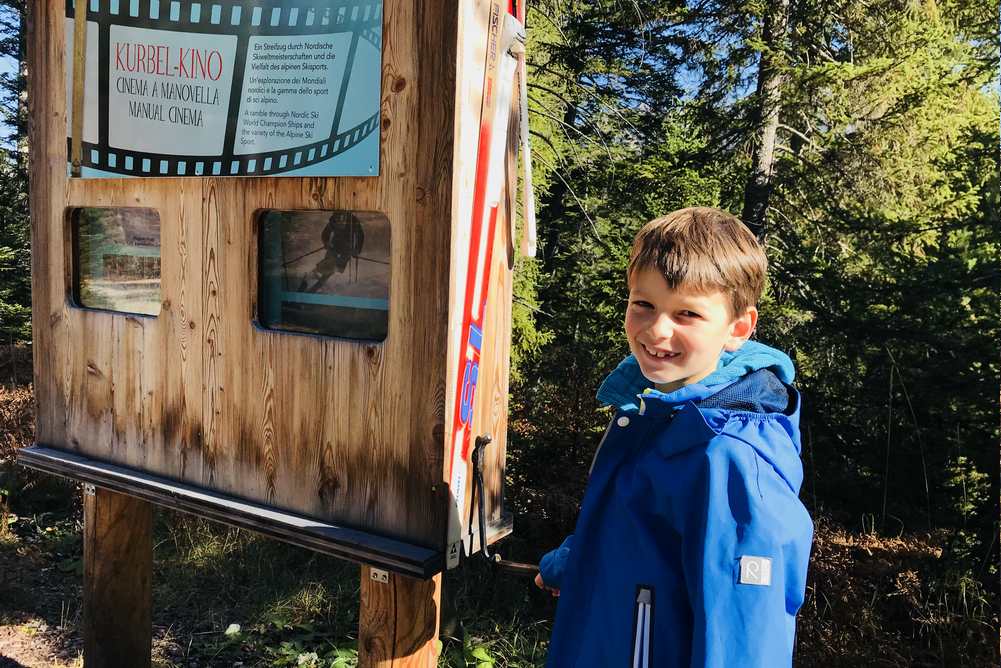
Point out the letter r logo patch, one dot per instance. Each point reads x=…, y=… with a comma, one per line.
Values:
x=755, y=571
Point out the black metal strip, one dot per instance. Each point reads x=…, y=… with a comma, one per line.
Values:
x=345, y=80
x=235, y=98
x=352, y=544
x=103, y=78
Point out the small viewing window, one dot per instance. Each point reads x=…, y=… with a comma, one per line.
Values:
x=116, y=259
x=324, y=272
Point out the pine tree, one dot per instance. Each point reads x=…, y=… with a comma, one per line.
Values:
x=15, y=255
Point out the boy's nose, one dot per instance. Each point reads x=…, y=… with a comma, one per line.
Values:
x=663, y=327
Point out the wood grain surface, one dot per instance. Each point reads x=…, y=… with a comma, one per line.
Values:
x=346, y=431
x=117, y=580
x=398, y=622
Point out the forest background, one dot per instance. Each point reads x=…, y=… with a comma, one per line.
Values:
x=860, y=140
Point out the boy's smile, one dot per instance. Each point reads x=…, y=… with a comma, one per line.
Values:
x=678, y=335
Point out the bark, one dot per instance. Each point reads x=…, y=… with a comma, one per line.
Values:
x=555, y=205
x=769, y=96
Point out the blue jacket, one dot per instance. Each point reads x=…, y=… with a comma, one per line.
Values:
x=692, y=545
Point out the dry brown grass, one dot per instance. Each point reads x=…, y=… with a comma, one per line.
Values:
x=17, y=418
x=891, y=601
x=17, y=404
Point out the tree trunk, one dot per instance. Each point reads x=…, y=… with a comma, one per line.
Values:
x=21, y=123
x=554, y=204
x=769, y=98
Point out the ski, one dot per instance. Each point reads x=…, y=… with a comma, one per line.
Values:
x=504, y=31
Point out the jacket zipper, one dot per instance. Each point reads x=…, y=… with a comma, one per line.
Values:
x=598, y=449
x=641, y=629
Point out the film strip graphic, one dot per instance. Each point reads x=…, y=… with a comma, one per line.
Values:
x=260, y=18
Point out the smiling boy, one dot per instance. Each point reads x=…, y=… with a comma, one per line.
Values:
x=691, y=548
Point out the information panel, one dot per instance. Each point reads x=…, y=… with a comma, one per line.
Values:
x=226, y=88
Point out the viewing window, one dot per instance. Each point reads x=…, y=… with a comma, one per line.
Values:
x=116, y=259
x=324, y=272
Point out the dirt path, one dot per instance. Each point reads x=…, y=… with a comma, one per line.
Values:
x=34, y=644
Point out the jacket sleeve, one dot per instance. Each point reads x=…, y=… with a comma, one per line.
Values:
x=744, y=559
x=553, y=564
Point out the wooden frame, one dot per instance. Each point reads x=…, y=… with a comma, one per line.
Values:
x=351, y=434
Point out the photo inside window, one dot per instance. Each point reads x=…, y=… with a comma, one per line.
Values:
x=117, y=259
x=325, y=272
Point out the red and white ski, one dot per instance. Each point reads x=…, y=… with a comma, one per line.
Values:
x=505, y=38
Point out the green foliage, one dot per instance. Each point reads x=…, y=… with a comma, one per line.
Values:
x=283, y=607
x=469, y=654
x=15, y=254
x=884, y=253
x=970, y=487
x=527, y=340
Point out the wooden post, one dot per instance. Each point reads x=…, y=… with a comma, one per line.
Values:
x=79, y=80
x=398, y=622
x=117, y=580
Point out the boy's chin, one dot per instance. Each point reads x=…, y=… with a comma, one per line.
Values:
x=659, y=378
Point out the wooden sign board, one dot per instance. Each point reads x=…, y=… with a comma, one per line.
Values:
x=182, y=347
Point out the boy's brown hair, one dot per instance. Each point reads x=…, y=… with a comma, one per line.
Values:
x=703, y=249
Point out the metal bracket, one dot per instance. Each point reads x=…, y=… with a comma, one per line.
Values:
x=477, y=500
x=89, y=489
x=478, y=509
x=379, y=575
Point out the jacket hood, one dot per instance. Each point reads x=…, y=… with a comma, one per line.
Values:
x=621, y=387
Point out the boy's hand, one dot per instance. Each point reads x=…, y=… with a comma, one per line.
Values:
x=542, y=585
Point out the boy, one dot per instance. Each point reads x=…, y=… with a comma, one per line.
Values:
x=691, y=547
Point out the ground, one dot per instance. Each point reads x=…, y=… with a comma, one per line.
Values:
x=33, y=643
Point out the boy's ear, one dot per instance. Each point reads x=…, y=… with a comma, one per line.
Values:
x=741, y=329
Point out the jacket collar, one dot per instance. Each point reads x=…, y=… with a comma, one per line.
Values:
x=622, y=387
x=690, y=426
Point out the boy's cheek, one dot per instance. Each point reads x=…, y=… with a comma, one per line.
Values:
x=632, y=325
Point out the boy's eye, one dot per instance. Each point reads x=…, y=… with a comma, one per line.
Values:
x=690, y=314
x=641, y=303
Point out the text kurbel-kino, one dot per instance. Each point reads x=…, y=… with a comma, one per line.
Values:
x=161, y=60
x=164, y=60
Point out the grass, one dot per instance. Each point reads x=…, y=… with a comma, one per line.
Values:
x=871, y=600
x=876, y=600
x=283, y=600
x=294, y=605
x=224, y=596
